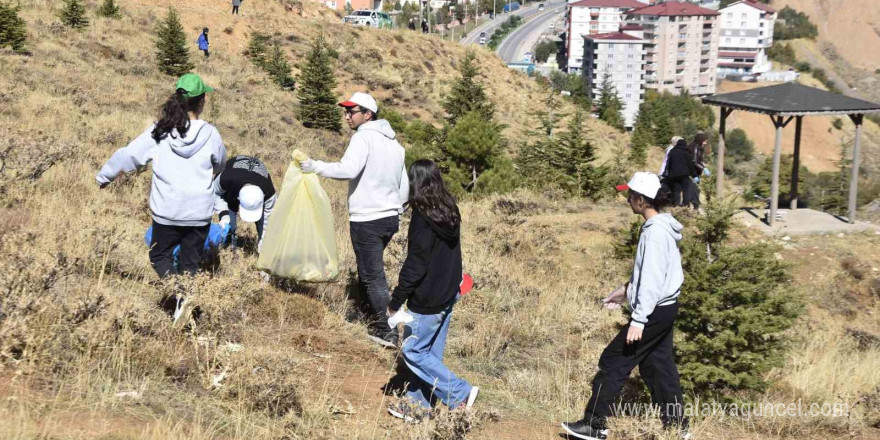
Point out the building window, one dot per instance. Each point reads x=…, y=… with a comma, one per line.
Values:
x=629, y=76
x=682, y=36
x=762, y=24
x=742, y=41
x=742, y=33
x=743, y=24
x=629, y=86
x=610, y=56
x=629, y=95
x=727, y=32
x=760, y=41
x=744, y=15
x=730, y=15
x=727, y=40
x=629, y=66
x=630, y=56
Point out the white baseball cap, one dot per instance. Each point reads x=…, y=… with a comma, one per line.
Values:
x=250, y=203
x=362, y=99
x=644, y=183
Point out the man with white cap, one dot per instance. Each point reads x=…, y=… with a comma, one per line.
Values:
x=378, y=187
x=244, y=189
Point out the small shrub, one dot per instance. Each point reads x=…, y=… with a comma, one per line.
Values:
x=802, y=66
x=12, y=28
x=109, y=9
x=853, y=267
x=74, y=14
x=837, y=123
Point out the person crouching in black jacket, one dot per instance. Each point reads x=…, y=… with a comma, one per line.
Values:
x=679, y=169
x=429, y=285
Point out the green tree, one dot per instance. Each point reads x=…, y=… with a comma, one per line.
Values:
x=317, y=100
x=172, y=54
x=576, y=86
x=642, y=136
x=278, y=68
x=109, y=9
x=544, y=50
x=609, y=107
x=468, y=93
x=783, y=53
x=738, y=146
x=12, y=29
x=474, y=146
x=793, y=24
x=74, y=14
x=762, y=182
x=258, y=48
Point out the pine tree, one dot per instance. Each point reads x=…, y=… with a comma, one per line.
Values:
x=12, y=29
x=578, y=154
x=467, y=93
x=609, y=107
x=171, y=52
x=278, y=68
x=317, y=100
x=109, y=9
x=641, y=137
x=74, y=14
x=473, y=146
x=258, y=48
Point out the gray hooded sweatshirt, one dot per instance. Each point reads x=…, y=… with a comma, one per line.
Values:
x=374, y=165
x=183, y=172
x=657, y=276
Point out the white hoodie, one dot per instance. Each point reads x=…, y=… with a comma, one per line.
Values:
x=183, y=172
x=374, y=165
x=657, y=275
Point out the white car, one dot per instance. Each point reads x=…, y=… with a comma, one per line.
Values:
x=369, y=18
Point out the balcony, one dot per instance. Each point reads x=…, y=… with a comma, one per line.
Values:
x=707, y=46
x=707, y=26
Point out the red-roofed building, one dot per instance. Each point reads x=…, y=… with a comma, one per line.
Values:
x=590, y=17
x=681, y=49
x=619, y=56
x=746, y=34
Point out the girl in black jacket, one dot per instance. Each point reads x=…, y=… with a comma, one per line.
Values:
x=429, y=284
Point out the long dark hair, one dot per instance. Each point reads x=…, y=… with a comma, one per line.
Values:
x=428, y=194
x=174, y=114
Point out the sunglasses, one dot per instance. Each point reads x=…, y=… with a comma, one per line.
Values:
x=350, y=112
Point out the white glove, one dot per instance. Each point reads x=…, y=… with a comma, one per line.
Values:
x=224, y=221
x=308, y=166
x=260, y=245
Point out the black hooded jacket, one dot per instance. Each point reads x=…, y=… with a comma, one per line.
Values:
x=431, y=274
x=679, y=163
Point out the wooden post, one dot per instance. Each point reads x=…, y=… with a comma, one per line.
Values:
x=854, y=182
x=795, y=166
x=777, y=154
x=719, y=172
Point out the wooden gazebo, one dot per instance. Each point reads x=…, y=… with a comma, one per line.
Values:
x=782, y=103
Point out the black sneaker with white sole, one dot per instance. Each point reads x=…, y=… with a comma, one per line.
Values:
x=387, y=340
x=582, y=430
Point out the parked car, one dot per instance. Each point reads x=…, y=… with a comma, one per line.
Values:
x=527, y=58
x=510, y=7
x=482, y=38
x=541, y=7
x=369, y=18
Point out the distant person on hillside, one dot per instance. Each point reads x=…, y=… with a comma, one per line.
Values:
x=203, y=42
x=679, y=169
x=672, y=143
x=235, y=5
x=244, y=190
x=652, y=292
x=378, y=187
x=424, y=26
x=429, y=285
x=412, y=24
x=698, y=150
x=186, y=153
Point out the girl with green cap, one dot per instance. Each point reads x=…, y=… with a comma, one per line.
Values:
x=186, y=153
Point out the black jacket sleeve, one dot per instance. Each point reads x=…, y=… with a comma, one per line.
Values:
x=416, y=265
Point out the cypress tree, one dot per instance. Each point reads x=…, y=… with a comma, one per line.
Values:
x=109, y=9
x=172, y=54
x=317, y=100
x=74, y=14
x=278, y=68
x=609, y=106
x=467, y=93
x=12, y=29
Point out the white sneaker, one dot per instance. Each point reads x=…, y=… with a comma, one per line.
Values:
x=472, y=397
x=180, y=309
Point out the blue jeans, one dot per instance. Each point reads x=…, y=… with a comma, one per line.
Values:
x=423, y=345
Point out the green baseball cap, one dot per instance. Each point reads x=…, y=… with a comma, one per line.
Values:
x=193, y=85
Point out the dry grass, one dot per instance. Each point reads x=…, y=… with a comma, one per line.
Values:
x=86, y=353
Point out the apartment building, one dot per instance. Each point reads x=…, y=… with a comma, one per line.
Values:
x=746, y=34
x=681, y=53
x=620, y=55
x=590, y=17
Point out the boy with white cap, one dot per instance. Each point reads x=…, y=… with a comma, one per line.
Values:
x=244, y=189
x=378, y=187
x=652, y=293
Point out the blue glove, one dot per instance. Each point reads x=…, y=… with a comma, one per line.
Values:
x=706, y=172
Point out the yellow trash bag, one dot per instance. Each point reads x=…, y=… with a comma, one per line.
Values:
x=300, y=241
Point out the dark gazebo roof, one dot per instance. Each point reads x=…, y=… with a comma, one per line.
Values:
x=792, y=99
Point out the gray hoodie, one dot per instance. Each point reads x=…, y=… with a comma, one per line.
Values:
x=657, y=276
x=374, y=165
x=183, y=171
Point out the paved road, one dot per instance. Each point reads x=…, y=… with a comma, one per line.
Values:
x=523, y=38
x=525, y=12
